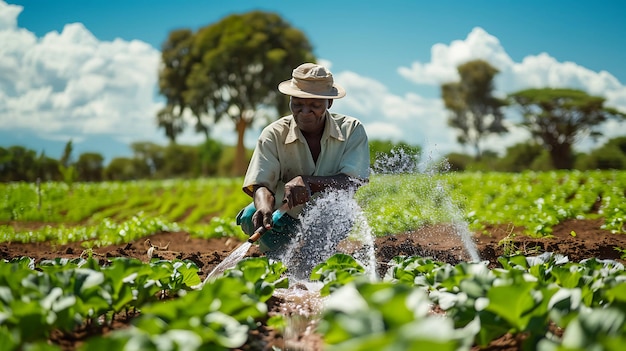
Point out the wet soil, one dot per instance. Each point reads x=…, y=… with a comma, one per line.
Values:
x=577, y=239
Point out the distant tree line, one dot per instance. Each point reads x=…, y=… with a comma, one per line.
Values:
x=534, y=157
x=149, y=161
x=214, y=159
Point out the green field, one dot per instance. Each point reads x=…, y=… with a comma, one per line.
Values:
x=550, y=303
x=116, y=212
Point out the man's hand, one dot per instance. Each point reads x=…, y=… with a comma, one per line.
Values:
x=297, y=192
x=264, y=203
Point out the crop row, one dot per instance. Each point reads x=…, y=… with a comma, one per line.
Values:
x=536, y=201
x=546, y=301
x=114, y=212
x=183, y=201
x=419, y=304
x=66, y=295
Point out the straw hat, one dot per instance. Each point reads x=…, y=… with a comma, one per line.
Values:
x=311, y=81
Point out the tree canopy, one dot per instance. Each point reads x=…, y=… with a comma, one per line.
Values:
x=558, y=118
x=175, y=68
x=474, y=111
x=229, y=69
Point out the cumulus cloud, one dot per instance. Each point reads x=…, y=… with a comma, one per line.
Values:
x=445, y=58
x=409, y=118
x=71, y=84
x=8, y=15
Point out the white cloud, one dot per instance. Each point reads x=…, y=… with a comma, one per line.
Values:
x=384, y=131
x=8, y=15
x=445, y=58
x=72, y=84
x=410, y=118
x=545, y=71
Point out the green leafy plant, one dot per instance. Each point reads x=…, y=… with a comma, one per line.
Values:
x=336, y=271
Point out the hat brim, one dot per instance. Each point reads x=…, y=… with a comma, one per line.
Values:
x=337, y=92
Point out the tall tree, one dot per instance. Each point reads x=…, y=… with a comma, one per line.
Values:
x=558, y=118
x=176, y=64
x=172, y=123
x=66, y=157
x=474, y=111
x=90, y=167
x=151, y=156
x=237, y=65
x=17, y=163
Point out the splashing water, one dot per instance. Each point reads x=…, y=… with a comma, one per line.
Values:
x=398, y=161
x=333, y=219
x=460, y=226
x=230, y=261
x=334, y=222
x=301, y=308
x=432, y=199
x=366, y=255
x=331, y=223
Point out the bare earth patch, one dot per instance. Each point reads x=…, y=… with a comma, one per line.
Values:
x=577, y=239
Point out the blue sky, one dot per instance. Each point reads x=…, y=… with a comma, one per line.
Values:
x=391, y=56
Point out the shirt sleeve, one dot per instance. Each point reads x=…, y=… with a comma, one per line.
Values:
x=356, y=158
x=264, y=167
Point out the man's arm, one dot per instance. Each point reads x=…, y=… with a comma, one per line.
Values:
x=299, y=189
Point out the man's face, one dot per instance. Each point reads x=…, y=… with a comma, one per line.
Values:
x=309, y=113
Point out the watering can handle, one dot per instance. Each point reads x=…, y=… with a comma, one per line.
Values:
x=275, y=217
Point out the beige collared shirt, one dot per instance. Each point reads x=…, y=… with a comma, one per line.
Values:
x=282, y=153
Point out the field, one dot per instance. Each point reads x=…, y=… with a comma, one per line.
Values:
x=144, y=245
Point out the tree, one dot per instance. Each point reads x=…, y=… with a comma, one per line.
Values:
x=558, y=118
x=458, y=161
x=175, y=67
x=235, y=67
x=209, y=155
x=474, y=111
x=181, y=161
x=172, y=123
x=89, y=167
x=17, y=163
x=47, y=168
x=151, y=156
x=611, y=155
x=123, y=168
x=520, y=157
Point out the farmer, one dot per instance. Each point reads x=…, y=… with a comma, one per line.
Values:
x=301, y=155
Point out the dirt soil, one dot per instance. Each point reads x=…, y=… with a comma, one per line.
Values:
x=577, y=239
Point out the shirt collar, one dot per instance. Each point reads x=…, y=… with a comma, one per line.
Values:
x=331, y=128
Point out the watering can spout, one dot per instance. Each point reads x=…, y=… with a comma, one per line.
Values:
x=275, y=217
